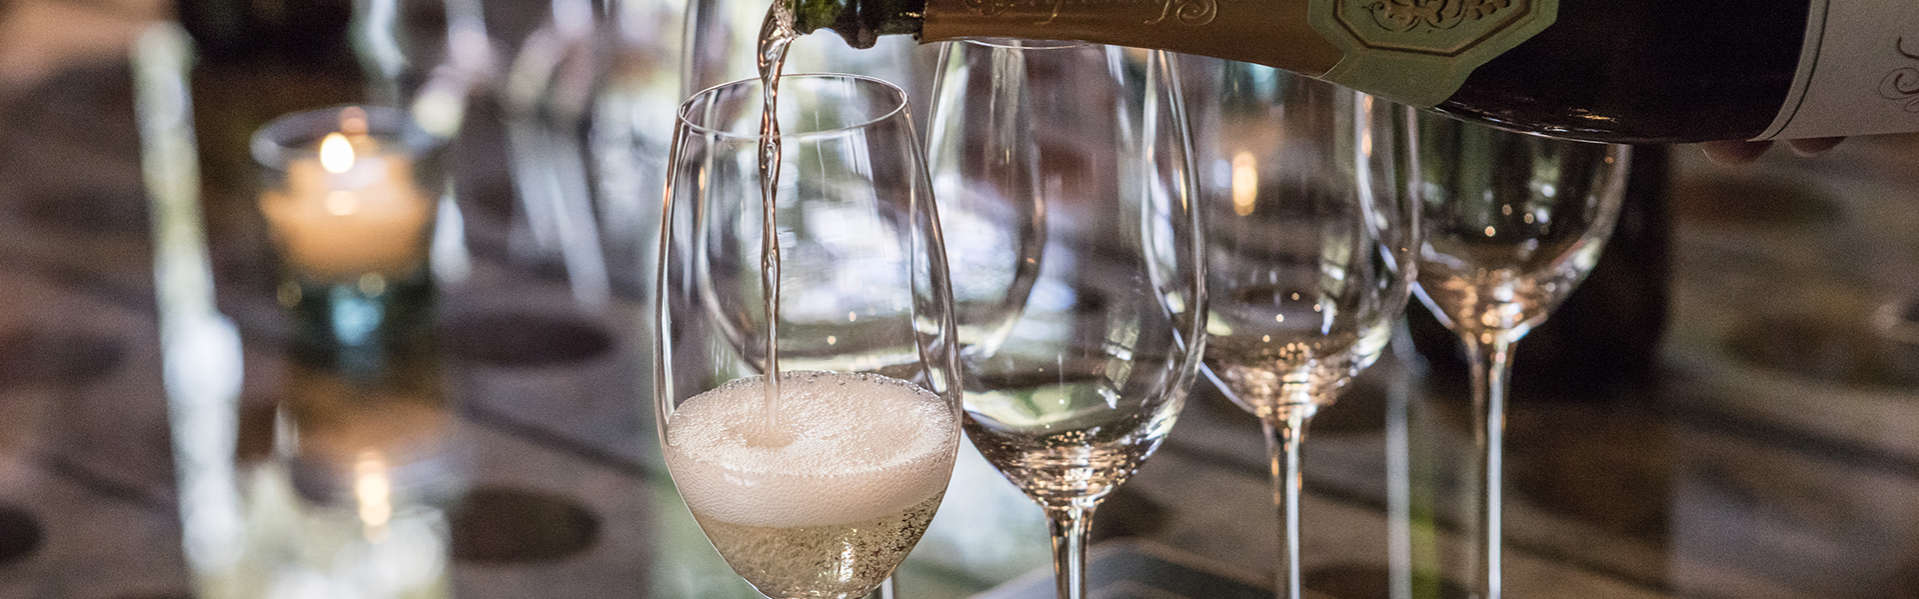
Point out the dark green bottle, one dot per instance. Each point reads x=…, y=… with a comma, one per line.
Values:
x=1628, y=71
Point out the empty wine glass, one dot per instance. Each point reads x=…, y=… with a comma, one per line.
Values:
x=1513, y=223
x=1062, y=171
x=827, y=501
x=1309, y=246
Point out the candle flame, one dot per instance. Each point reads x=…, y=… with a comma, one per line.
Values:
x=336, y=153
x=1245, y=182
x=374, y=492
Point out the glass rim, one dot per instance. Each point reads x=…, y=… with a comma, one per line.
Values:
x=295, y=134
x=1013, y=43
x=892, y=91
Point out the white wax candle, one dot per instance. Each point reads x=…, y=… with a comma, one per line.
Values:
x=349, y=211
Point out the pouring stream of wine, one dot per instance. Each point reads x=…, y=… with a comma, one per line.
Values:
x=775, y=35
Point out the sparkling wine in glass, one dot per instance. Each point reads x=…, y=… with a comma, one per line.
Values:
x=1512, y=224
x=1309, y=243
x=1062, y=172
x=827, y=502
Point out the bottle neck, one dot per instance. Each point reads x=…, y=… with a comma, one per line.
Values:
x=860, y=22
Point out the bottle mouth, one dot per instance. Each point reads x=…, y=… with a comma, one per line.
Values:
x=1025, y=44
x=731, y=111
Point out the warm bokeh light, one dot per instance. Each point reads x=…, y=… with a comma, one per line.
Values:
x=374, y=492
x=336, y=153
x=1245, y=182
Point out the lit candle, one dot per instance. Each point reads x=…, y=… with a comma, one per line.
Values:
x=350, y=210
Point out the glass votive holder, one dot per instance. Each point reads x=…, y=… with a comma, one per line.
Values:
x=327, y=465
x=349, y=194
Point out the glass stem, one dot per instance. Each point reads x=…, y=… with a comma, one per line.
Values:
x=888, y=590
x=1399, y=488
x=1492, y=368
x=1070, y=526
x=1285, y=431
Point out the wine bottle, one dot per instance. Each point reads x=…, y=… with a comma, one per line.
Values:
x=1624, y=71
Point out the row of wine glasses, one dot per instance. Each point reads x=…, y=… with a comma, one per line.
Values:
x=1067, y=388
x=1108, y=214
x=1323, y=203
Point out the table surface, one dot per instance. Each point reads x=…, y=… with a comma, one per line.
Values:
x=1788, y=471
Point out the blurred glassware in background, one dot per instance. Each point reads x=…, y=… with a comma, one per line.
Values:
x=584, y=98
x=580, y=86
x=580, y=89
x=1513, y=224
x=340, y=489
x=547, y=92
x=429, y=56
x=1311, y=228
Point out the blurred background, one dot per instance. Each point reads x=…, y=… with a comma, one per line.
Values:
x=1729, y=407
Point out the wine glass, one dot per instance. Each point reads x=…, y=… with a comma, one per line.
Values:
x=1309, y=246
x=1512, y=224
x=1063, y=174
x=825, y=501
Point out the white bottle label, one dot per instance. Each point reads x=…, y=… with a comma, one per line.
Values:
x=1858, y=72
